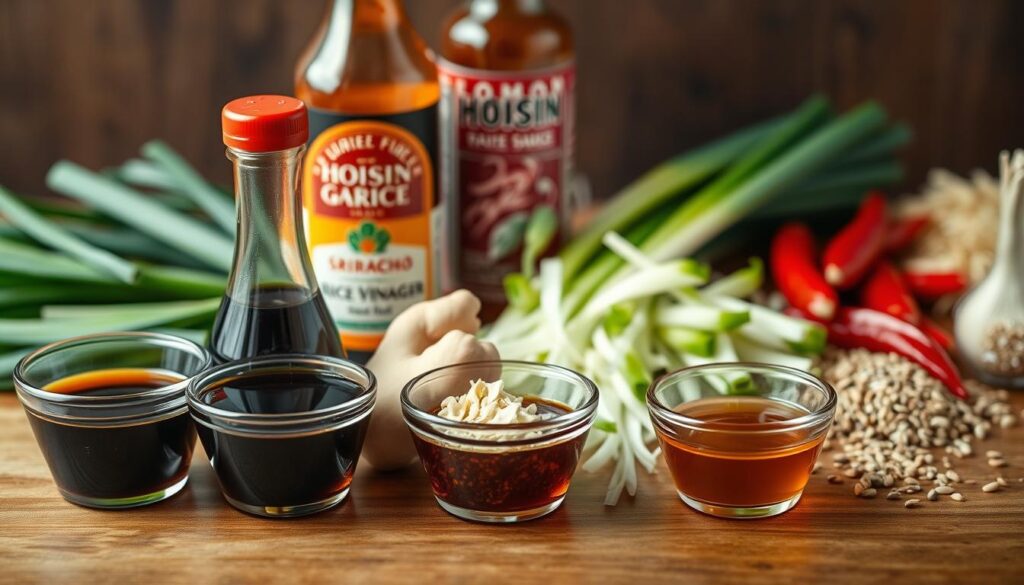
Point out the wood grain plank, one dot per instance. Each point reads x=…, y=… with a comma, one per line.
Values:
x=392, y=531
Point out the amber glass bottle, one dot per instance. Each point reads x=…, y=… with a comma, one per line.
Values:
x=507, y=75
x=376, y=223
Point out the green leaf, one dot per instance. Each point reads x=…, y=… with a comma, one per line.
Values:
x=618, y=318
x=207, y=197
x=520, y=292
x=87, y=320
x=181, y=282
x=741, y=283
x=30, y=261
x=52, y=235
x=683, y=340
x=507, y=236
x=132, y=208
x=540, y=231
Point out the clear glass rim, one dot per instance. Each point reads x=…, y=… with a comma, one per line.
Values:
x=141, y=337
x=821, y=414
x=354, y=407
x=586, y=410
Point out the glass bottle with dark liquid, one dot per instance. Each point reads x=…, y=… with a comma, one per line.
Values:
x=272, y=304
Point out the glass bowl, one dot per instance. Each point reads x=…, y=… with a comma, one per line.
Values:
x=500, y=472
x=284, y=432
x=743, y=455
x=110, y=417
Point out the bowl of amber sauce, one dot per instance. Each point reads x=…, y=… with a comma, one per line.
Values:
x=742, y=454
x=283, y=432
x=499, y=440
x=110, y=415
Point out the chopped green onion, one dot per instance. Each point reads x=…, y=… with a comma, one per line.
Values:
x=740, y=284
x=684, y=340
x=702, y=317
x=520, y=292
x=618, y=318
x=668, y=276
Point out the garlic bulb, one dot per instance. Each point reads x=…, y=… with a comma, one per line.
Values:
x=989, y=320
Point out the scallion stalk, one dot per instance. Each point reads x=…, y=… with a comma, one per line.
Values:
x=134, y=209
x=54, y=236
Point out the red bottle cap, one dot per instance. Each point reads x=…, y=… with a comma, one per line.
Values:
x=265, y=123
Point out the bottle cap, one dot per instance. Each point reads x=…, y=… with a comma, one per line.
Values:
x=265, y=123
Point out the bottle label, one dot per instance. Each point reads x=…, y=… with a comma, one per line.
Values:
x=507, y=149
x=372, y=217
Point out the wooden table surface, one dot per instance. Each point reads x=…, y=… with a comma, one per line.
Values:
x=391, y=530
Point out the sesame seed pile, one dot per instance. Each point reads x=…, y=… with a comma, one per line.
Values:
x=897, y=428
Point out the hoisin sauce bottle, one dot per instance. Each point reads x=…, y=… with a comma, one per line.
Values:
x=507, y=75
x=376, y=224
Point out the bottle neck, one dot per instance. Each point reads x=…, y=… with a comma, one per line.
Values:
x=270, y=245
x=365, y=15
x=491, y=7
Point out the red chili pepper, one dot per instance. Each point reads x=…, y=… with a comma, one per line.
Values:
x=932, y=285
x=877, y=331
x=884, y=290
x=902, y=232
x=853, y=251
x=796, y=273
x=938, y=334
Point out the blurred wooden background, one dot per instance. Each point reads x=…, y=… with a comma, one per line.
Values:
x=92, y=80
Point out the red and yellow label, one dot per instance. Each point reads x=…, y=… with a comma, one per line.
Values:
x=368, y=192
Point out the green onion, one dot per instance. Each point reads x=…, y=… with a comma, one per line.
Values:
x=35, y=294
x=540, y=231
x=127, y=242
x=684, y=340
x=143, y=173
x=97, y=319
x=208, y=198
x=711, y=211
x=700, y=317
x=880, y=144
x=669, y=276
x=134, y=209
x=182, y=282
x=33, y=262
x=520, y=292
x=657, y=186
x=741, y=283
x=54, y=236
x=618, y=318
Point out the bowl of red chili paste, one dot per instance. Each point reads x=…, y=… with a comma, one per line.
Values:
x=500, y=440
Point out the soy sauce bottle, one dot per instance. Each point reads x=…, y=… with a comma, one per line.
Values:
x=272, y=303
x=377, y=227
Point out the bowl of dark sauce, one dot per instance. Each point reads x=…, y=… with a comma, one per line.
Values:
x=283, y=432
x=110, y=415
